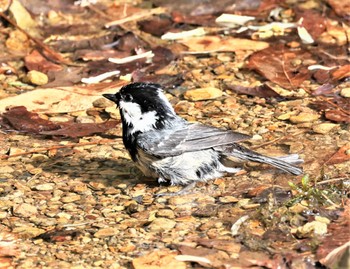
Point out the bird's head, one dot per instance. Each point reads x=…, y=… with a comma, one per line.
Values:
x=142, y=106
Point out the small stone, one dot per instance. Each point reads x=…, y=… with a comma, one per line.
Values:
x=44, y=187
x=28, y=232
x=105, y=232
x=70, y=198
x=323, y=128
x=60, y=119
x=345, y=92
x=203, y=94
x=166, y=213
x=25, y=210
x=37, y=78
x=304, y=117
x=316, y=227
x=228, y=199
x=85, y=119
x=39, y=157
x=113, y=112
x=97, y=186
x=162, y=224
x=102, y=103
x=6, y=170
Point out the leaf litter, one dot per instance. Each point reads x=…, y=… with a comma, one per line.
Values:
x=71, y=197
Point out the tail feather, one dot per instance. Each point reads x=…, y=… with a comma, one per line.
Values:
x=285, y=163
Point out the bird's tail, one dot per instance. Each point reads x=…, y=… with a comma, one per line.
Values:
x=285, y=163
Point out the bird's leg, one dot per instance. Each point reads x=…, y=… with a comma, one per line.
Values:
x=184, y=191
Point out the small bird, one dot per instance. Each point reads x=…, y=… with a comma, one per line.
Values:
x=166, y=146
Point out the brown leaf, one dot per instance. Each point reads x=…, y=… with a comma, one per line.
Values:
x=262, y=91
x=82, y=129
x=342, y=155
x=330, y=249
x=341, y=73
x=337, y=115
x=341, y=7
x=157, y=26
x=281, y=65
x=35, y=61
x=158, y=259
x=23, y=120
x=217, y=43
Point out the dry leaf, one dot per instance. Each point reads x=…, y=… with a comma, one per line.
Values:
x=217, y=43
x=159, y=259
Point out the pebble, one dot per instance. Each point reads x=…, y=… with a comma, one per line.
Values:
x=113, y=112
x=37, y=78
x=44, y=187
x=162, y=224
x=345, y=92
x=304, y=117
x=28, y=232
x=203, y=94
x=6, y=169
x=70, y=198
x=102, y=103
x=228, y=199
x=105, y=232
x=166, y=213
x=25, y=210
x=324, y=128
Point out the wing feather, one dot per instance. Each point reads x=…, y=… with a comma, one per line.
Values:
x=191, y=137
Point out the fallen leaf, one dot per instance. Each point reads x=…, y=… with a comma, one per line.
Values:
x=23, y=120
x=159, y=259
x=281, y=65
x=342, y=155
x=262, y=91
x=217, y=43
x=82, y=129
x=157, y=25
x=341, y=7
x=61, y=100
x=334, y=245
x=341, y=73
x=35, y=61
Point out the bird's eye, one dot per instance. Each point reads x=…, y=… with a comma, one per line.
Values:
x=128, y=98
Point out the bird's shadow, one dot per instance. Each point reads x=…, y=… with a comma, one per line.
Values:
x=110, y=172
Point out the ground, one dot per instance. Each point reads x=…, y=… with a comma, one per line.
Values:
x=72, y=198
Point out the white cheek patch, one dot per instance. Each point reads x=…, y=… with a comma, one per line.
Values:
x=133, y=116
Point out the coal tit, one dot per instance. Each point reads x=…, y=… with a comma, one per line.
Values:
x=166, y=146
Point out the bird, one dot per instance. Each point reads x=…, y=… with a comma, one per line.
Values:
x=167, y=147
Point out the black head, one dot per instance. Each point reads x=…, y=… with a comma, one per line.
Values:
x=141, y=103
x=149, y=96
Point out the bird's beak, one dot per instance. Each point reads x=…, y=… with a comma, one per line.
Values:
x=113, y=97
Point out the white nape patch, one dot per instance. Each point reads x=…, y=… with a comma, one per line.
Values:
x=140, y=121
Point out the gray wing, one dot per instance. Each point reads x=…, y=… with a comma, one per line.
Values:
x=191, y=137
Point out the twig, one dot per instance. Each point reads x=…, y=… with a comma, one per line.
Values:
x=277, y=139
x=137, y=16
x=335, y=105
x=57, y=58
x=331, y=180
x=100, y=142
